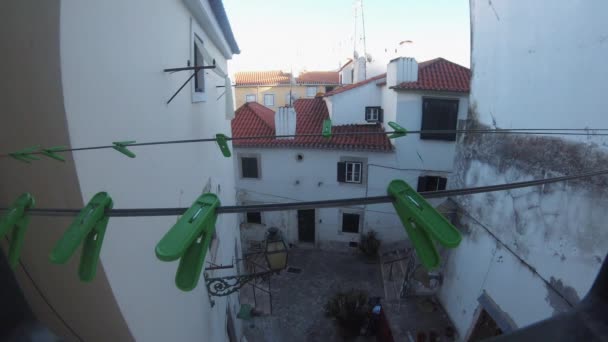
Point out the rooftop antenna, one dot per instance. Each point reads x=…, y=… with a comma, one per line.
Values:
x=358, y=8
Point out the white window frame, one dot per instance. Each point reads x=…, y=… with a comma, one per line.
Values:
x=255, y=98
x=195, y=38
x=269, y=105
x=356, y=168
x=373, y=114
x=314, y=92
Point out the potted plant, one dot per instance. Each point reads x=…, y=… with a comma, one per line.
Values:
x=350, y=310
x=370, y=244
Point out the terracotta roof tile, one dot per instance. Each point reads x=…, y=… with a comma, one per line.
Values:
x=355, y=85
x=273, y=77
x=440, y=75
x=318, y=77
x=310, y=114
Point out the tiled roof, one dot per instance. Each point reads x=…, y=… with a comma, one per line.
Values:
x=440, y=75
x=318, y=77
x=310, y=114
x=355, y=85
x=251, y=78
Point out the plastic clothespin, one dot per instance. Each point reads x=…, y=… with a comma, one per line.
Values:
x=90, y=227
x=121, y=146
x=189, y=239
x=51, y=152
x=326, y=128
x=399, y=131
x=423, y=223
x=16, y=219
x=222, y=142
x=25, y=155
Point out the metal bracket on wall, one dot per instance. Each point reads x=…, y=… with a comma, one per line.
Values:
x=196, y=70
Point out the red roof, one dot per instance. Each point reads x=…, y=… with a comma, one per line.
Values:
x=318, y=77
x=355, y=85
x=251, y=120
x=273, y=77
x=440, y=75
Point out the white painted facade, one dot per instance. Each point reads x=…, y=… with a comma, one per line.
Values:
x=112, y=56
x=534, y=251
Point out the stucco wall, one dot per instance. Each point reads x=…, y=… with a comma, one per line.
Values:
x=32, y=113
x=280, y=94
x=284, y=179
x=534, y=251
x=113, y=54
x=349, y=107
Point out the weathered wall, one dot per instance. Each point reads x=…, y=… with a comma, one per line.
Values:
x=534, y=251
x=349, y=107
x=32, y=113
x=112, y=58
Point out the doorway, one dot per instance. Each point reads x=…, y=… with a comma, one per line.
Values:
x=306, y=225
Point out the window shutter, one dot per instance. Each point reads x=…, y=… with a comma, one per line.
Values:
x=421, y=184
x=381, y=115
x=442, y=183
x=341, y=172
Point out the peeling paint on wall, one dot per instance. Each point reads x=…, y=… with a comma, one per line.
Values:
x=560, y=302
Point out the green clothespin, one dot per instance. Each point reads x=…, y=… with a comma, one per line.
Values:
x=25, y=155
x=189, y=240
x=51, y=152
x=399, y=131
x=16, y=219
x=326, y=128
x=222, y=142
x=423, y=223
x=121, y=146
x=90, y=227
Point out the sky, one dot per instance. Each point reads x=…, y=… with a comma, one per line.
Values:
x=318, y=34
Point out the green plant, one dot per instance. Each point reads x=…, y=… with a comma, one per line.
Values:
x=350, y=310
x=370, y=244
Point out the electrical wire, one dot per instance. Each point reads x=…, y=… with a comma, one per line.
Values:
x=523, y=131
x=317, y=204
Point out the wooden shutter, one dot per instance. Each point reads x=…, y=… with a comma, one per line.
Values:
x=442, y=183
x=341, y=172
x=381, y=115
x=421, y=184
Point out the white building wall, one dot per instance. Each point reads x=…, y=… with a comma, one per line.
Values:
x=285, y=179
x=113, y=56
x=541, y=247
x=349, y=107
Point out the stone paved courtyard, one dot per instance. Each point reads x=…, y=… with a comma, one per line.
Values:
x=298, y=299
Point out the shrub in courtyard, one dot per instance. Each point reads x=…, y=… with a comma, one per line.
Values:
x=370, y=244
x=350, y=310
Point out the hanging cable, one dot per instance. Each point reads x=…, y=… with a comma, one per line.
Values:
x=522, y=131
x=318, y=204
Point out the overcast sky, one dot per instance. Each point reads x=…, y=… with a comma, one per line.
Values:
x=318, y=34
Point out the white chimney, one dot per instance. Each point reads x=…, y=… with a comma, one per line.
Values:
x=359, y=69
x=285, y=121
x=401, y=69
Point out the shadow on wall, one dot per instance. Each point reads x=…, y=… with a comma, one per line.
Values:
x=17, y=322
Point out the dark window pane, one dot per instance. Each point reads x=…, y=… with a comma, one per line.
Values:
x=254, y=217
x=341, y=172
x=431, y=183
x=249, y=167
x=350, y=223
x=439, y=114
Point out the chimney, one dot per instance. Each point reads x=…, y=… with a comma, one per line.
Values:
x=401, y=69
x=285, y=121
x=359, y=69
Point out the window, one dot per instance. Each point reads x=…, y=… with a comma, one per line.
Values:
x=249, y=167
x=311, y=91
x=289, y=99
x=254, y=217
x=350, y=172
x=199, y=80
x=431, y=183
x=250, y=98
x=439, y=114
x=330, y=88
x=374, y=114
x=269, y=100
x=350, y=223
